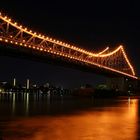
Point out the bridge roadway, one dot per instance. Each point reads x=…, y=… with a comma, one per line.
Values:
x=19, y=41
x=35, y=55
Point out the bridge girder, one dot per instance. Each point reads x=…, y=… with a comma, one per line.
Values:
x=115, y=61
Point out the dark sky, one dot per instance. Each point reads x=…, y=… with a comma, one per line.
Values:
x=89, y=24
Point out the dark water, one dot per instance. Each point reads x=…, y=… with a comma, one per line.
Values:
x=29, y=117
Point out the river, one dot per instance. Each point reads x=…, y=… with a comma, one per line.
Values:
x=43, y=118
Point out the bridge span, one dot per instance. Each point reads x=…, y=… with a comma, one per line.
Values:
x=20, y=41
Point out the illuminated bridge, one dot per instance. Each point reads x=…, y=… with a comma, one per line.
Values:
x=17, y=38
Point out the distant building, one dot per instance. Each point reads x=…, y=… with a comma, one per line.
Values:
x=122, y=84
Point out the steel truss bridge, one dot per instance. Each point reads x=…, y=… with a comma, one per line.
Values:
x=19, y=37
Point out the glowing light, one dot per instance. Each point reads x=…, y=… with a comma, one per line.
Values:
x=128, y=61
x=89, y=54
x=103, y=51
x=5, y=17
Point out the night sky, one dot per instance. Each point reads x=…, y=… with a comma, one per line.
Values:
x=92, y=25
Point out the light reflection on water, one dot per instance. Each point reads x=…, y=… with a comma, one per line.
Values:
x=28, y=117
